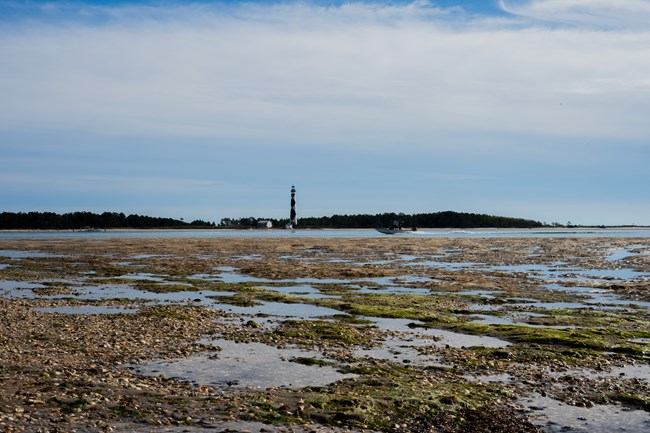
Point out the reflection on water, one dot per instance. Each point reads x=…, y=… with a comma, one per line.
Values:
x=142, y=276
x=18, y=289
x=518, y=320
x=623, y=253
x=247, y=365
x=436, y=337
x=401, y=350
x=558, y=272
x=302, y=290
x=554, y=417
x=124, y=291
x=297, y=311
x=19, y=254
x=632, y=371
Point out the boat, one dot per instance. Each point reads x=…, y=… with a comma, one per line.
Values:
x=396, y=229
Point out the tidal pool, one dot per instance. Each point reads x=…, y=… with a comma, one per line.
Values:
x=296, y=311
x=632, y=371
x=555, y=417
x=20, y=254
x=402, y=350
x=247, y=365
x=303, y=290
x=125, y=291
x=623, y=253
x=150, y=256
x=19, y=289
x=436, y=337
x=142, y=276
x=487, y=319
x=228, y=274
x=394, y=290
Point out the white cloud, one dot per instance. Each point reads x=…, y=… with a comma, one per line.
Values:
x=357, y=75
x=601, y=13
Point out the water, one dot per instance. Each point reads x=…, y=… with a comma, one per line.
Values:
x=149, y=256
x=19, y=254
x=339, y=233
x=123, y=291
x=141, y=276
x=294, y=311
x=623, y=253
x=509, y=320
x=401, y=350
x=302, y=290
x=631, y=371
x=555, y=417
x=554, y=272
x=18, y=289
x=247, y=365
x=436, y=337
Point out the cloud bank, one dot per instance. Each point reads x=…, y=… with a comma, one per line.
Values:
x=618, y=14
x=287, y=73
x=190, y=105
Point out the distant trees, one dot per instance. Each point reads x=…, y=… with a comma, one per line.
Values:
x=78, y=220
x=445, y=219
x=430, y=220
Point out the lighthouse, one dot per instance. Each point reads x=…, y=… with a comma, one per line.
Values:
x=293, y=219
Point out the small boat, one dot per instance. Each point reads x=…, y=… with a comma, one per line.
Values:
x=389, y=231
x=396, y=229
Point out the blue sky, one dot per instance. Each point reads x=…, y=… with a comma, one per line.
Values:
x=528, y=108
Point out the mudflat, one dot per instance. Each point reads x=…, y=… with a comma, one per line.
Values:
x=332, y=334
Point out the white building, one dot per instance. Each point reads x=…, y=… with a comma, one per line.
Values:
x=264, y=224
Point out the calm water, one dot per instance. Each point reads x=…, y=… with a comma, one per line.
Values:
x=343, y=233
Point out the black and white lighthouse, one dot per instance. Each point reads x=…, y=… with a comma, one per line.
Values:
x=293, y=218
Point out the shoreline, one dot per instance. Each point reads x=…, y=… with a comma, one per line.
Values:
x=217, y=229
x=75, y=315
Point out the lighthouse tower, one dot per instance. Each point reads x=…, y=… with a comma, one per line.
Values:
x=293, y=219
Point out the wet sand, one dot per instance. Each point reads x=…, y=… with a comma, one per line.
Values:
x=386, y=313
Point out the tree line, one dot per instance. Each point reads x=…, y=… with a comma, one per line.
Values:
x=82, y=220
x=110, y=220
x=446, y=219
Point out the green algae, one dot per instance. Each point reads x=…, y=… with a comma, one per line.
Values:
x=633, y=400
x=377, y=398
x=584, y=338
x=310, y=361
x=162, y=287
x=311, y=332
x=239, y=300
x=403, y=306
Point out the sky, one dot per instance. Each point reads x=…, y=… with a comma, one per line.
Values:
x=205, y=110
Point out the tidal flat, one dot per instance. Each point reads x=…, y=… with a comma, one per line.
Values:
x=394, y=334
